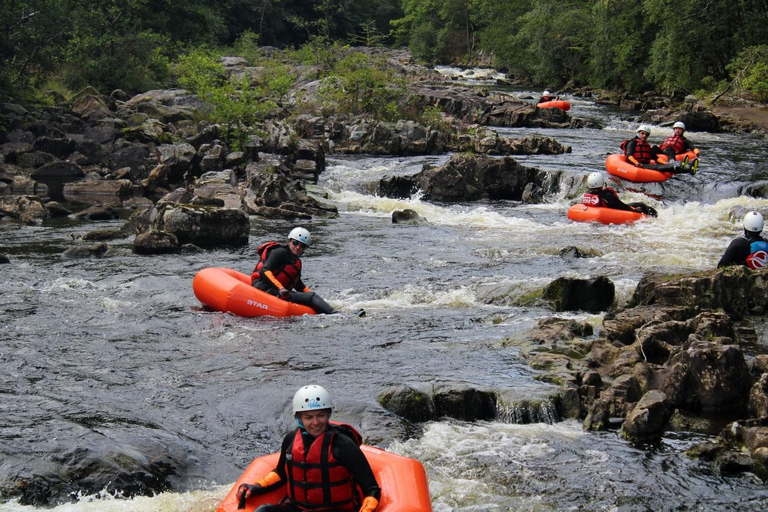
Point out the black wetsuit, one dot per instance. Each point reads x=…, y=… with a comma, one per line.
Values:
x=739, y=249
x=672, y=166
x=611, y=200
x=346, y=452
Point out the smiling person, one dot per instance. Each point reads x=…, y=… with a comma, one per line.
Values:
x=320, y=463
x=278, y=272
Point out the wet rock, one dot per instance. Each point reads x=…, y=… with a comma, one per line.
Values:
x=58, y=147
x=708, y=378
x=647, y=419
x=736, y=290
x=409, y=217
x=593, y=295
x=25, y=209
x=464, y=403
x=469, y=178
x=202, y=226
x=575, y=252
x=758, y=398
x=91, y=251
x=35, y=159
x=58, y=170
x=4, y=259
x=156, y=242
x=99, y=212
x=180, y=195
x=56, y=210
x=550, y=331
x=408, y=403
x=614, y=402
x=620, y=326
x=97, y=191
x=102, y=235
x=133, y=156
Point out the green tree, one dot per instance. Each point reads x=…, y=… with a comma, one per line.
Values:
x=622, y=38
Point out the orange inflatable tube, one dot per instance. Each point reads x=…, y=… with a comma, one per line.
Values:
x=230, y=291
x=561, y=104
x=679, y=157
x=617, y=165
x=584, y=213
x=402, y=480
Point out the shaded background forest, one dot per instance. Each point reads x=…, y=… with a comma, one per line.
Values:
x=681, y=47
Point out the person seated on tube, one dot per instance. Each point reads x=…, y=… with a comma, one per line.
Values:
x=751, y=249
x=677, y=143
x=278, y=272
x=546, y=96
x=640, y=154
x=342, y=479
x=599, y=195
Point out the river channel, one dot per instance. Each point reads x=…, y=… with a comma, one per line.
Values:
x=102, y=357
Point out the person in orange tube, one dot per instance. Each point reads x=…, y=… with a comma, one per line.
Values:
x=546, y=96
x=605, y=197
x=640, y=154
x=278, y=272
x=678, y=143
x=321, y=464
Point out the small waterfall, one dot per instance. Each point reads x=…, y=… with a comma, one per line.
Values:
x=524, y=412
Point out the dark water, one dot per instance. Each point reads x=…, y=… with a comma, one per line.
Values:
x=112, y=357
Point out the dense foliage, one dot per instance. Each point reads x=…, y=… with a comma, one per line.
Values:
x=671, y=46
x=680, y=46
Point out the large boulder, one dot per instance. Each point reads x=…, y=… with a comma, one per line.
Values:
x=569, y=294
x=408, y=403
x=201, y=226
x=708, y=378
x=647, y=419
x=469, y=178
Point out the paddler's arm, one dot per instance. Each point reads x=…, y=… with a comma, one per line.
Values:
x=630, y=150
x=269, y=275
x=351, y=457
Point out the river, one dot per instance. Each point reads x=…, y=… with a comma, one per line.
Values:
x=103, y=358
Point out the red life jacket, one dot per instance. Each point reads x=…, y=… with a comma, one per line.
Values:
x=642, y=150
x=288, y=275
x=592, y=200
x=316, y=480
x=674, y=142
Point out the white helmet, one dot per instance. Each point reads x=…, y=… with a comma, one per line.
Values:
x=753, y=221
x=546, y=93
x=644, y=128
x=311, y=398
x=300, y=235
x=679, y=124
x=595, y=180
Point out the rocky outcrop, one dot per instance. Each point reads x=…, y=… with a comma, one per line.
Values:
x=448, y=400
x=202, y=226
x=468, y=105
x=670, y=359
x=466, y=178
